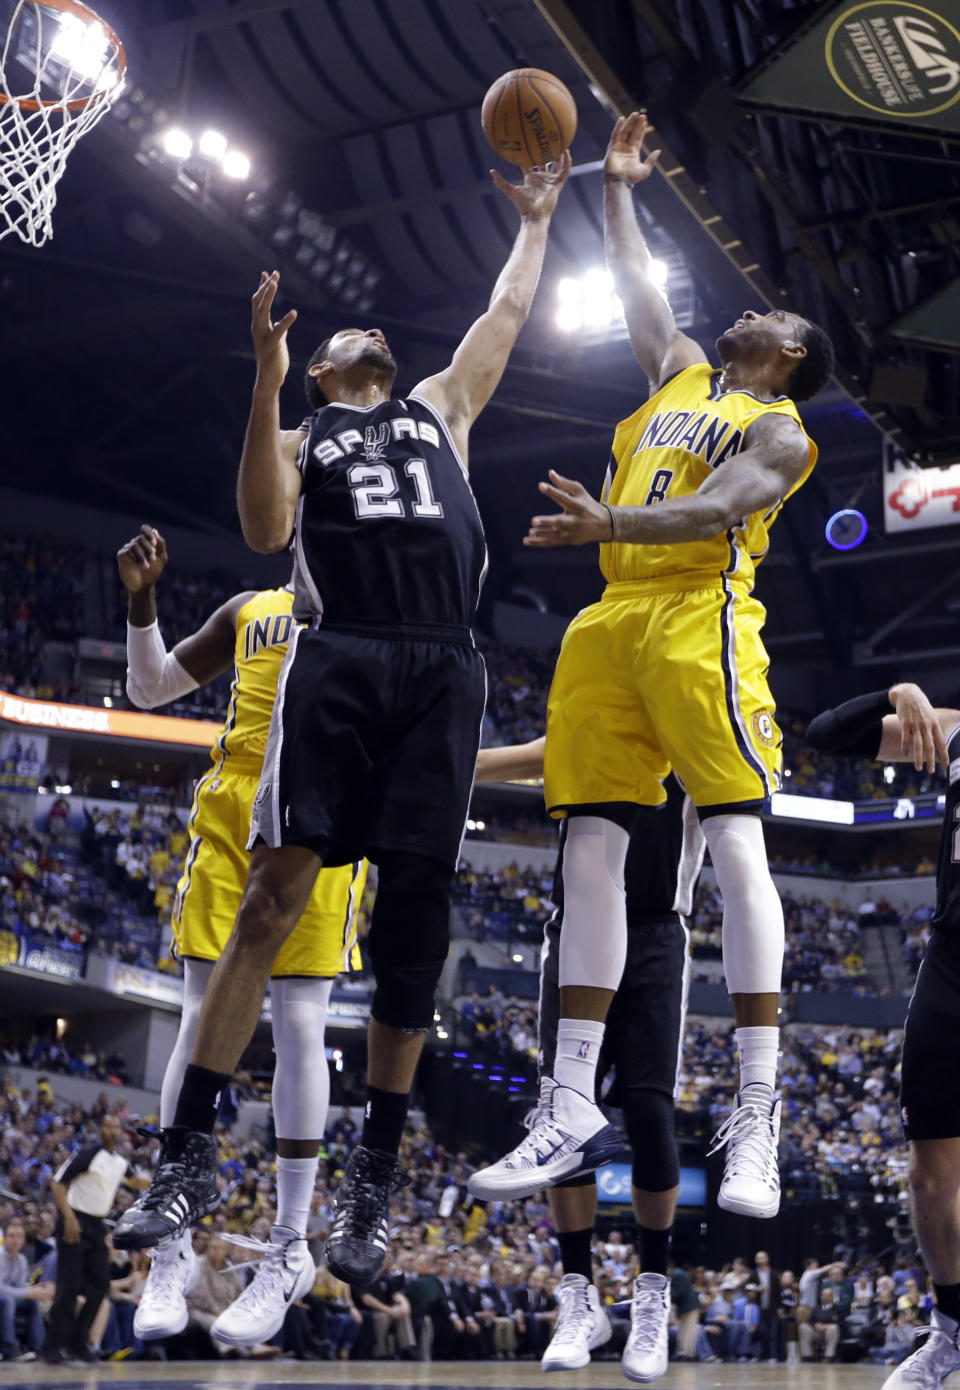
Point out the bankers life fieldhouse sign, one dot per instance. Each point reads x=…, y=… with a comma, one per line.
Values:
x=880, y=60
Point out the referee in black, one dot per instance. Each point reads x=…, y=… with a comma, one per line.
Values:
x=84, y=1188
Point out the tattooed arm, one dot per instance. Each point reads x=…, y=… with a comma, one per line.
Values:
x=658, y=345
x=755, y=480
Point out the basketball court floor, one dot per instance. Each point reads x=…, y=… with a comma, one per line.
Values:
x=449, y=1375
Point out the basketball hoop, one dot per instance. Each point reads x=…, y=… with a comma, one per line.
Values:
x=61, y=69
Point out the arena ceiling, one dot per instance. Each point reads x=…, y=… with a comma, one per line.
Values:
x=126, y=359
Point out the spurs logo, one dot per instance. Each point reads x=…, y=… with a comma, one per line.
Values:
x=375, y=440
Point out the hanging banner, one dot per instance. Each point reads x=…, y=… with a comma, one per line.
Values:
x=883, y=60
x=914, y=499
x=23, y=756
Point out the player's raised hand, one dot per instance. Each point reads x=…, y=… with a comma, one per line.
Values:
x=624, y=157
x=269, y=338
x=142, y=560
x=537, y=196
x=581, y=521
x=921, y=737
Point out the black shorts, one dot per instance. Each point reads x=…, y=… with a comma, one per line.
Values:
x=930, y=1069
x=372, y=746
x=644, y=1032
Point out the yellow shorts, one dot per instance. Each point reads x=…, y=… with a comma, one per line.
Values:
x=324, y=941
x=658, y=676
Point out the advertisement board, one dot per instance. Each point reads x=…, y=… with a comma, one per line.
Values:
x=23, y=756
x=112, y=723
x=30, y=952
x=914, y=499
x=614, y=1183
x=893, y=61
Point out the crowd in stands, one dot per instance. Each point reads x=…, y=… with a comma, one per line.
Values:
x=462, y=1280
x=41, y=600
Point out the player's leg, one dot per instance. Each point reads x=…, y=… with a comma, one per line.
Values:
x=645, y=1036
x=930, y=1108
x=707, y=660
x=407, y=948
x=207, y=901
x=601, y=761
x=301, y=1098
x=582, y=1323
x=184, y=1188
x=162, y=1310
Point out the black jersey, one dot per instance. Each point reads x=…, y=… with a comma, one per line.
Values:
x=387, y=532
x=663, y=860
x=948, y=864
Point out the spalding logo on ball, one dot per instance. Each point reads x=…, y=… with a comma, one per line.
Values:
x=529, y=117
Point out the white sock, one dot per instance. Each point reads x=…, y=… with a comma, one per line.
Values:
x=758, y=1056
x=578, y=1050
x=295, y=1182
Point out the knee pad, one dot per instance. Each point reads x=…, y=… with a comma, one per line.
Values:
x=593, y=937
x=301, y=1078
x=648, y=1120
x=753, y=935
x=409, y=938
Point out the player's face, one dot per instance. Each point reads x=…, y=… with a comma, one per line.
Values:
x=359, y=347
x=753, y=333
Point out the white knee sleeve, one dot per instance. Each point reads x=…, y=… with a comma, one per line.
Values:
x=752, y=912
x=301, y=1081
x=196, y=974
x=593, y=936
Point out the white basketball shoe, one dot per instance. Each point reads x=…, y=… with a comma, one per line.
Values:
x=751, y=1178
x=646, y=1354
x=162, y=1310
x=582, y=1325
x=285, y=1273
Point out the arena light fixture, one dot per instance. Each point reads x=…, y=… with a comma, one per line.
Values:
x=889, y=774
x=80, y=45
x=212, y=145
x=236, y=165
x=587, y=302
x=517, y=958
x=176, y=143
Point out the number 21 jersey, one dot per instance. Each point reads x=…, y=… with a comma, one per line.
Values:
x=387, y=528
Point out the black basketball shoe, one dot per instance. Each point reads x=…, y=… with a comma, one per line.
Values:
x=357, y=1241
x=183, y=1190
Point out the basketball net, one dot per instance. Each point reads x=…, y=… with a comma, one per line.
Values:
x=61, y=69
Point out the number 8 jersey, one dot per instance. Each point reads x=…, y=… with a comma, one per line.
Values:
x=387, y=529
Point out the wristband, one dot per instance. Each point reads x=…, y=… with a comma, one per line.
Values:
x=617, y=178
x=613, y=520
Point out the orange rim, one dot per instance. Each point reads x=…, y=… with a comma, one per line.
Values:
x=89, y=16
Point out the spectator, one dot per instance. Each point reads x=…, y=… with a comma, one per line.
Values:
x=824, y=1330
x=19, y=1296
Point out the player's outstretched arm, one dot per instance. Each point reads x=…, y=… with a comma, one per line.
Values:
x=269, y=482
x=754, y=480
x=515, y=763
x=658, y=345
x=154, y=675
x=864, y=728
x=461, y=391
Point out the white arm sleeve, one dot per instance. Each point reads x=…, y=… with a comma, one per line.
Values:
x=154, y=675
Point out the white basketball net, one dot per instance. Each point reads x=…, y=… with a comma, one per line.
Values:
x=60, y=70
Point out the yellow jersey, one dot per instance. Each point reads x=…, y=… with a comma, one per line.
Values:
x=668, y=448
x=264, y=625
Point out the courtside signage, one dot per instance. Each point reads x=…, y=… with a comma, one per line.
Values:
x=114, y=723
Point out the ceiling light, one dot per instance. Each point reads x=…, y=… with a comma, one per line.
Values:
x=81, y=46
x=587, y=302
x=236, y=165
x=177, y=143
x=658, y=271
x=213, y=145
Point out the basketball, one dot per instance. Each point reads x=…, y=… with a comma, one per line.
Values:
x=529, y=117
